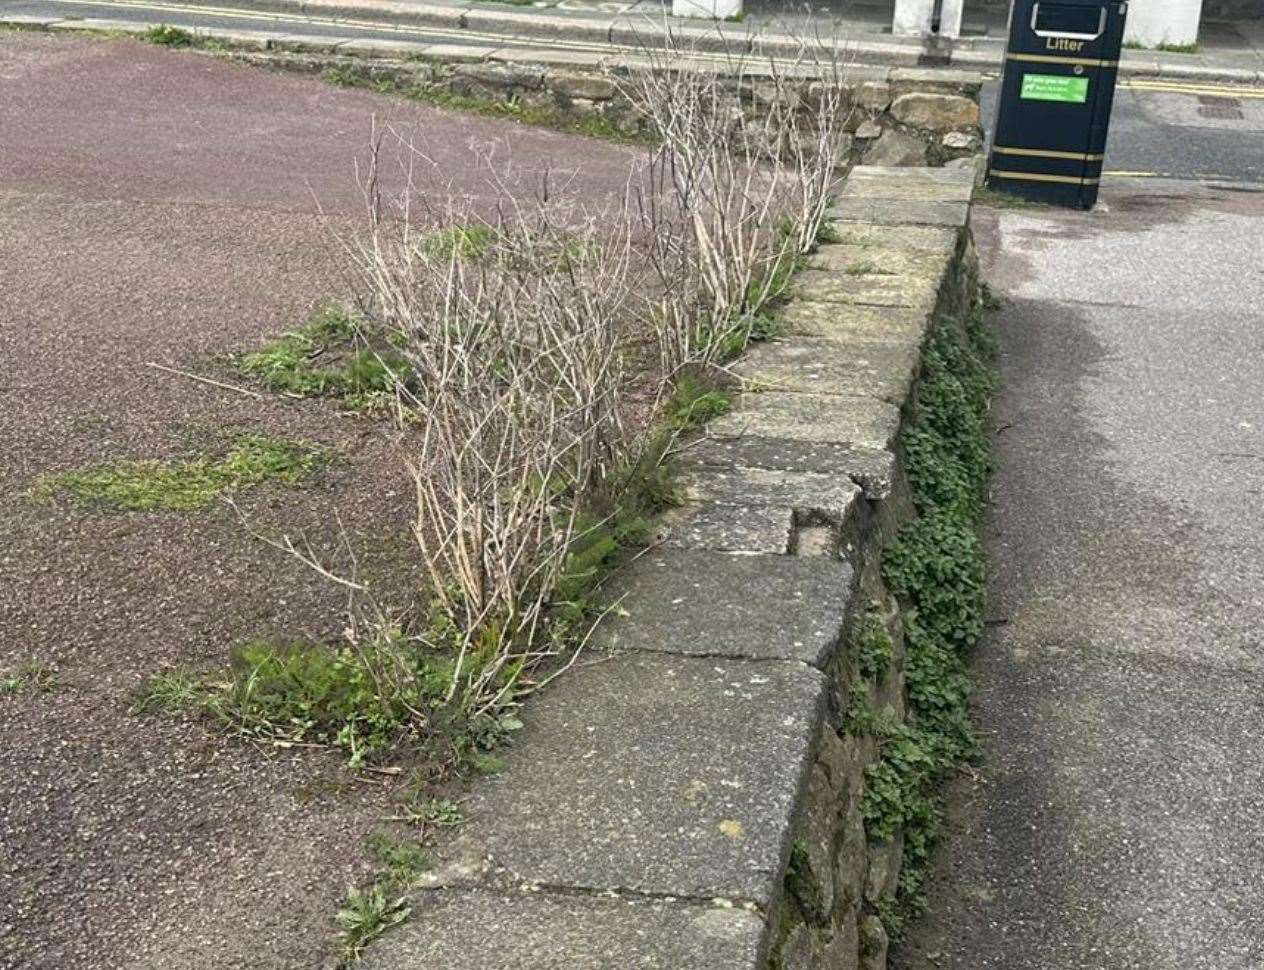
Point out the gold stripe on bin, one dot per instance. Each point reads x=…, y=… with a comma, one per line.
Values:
x=1048, y=153
x=1038, y=177
x=1054, y=59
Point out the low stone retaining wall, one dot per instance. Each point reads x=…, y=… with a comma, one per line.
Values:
x=899, y=115
x=689, y=797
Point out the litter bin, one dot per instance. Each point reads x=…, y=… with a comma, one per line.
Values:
x=1053, y=111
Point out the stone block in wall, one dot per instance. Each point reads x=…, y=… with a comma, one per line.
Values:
x=643, y=773
x=589, y=87
x=688, y=602
x=867, y=130
x=883, y=872
x=811, y=875
x=450, y=930
x=906, y=79
x=874, y=95
x=873, y=943
x=936, y=112
x=882, y=370
x=858, y=422
x=961, y=141
x=896, y=147
x=497, y=76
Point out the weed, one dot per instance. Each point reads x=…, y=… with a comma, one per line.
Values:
x=695, y=401
x=186, y=484
x=594, y=124
x=1165, y=47
x=321, y=359
x=168, y=692
x=439, y=812
x=996, y=199
x=404, y=859
x=829, y=233
x=873, y=646
x=166, y=36
x=366, y=915
x=936, y=567
x=460, y=242
x=31, y=676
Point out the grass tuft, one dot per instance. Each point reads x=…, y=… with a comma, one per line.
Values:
x=29, y=677
x=322, y=359
x=187, y=484
x=167, y=692
x=167, y=36
x=695, y=401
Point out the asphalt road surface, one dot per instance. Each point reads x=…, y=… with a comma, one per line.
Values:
x=1179, y=129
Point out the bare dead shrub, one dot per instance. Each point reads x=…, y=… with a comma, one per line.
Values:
x=750, y=153
x=509, y=409
x=510, y=389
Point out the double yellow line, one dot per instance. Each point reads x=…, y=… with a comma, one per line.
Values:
x=1195, y=88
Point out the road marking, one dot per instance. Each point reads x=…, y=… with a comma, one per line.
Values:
x=1176, y=87
x=461, y=35
x=1124, y=173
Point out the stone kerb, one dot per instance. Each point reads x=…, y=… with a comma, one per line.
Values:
x=688, y=796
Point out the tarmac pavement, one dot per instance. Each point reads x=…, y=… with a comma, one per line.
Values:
x=159, y=206
x=1114, y=821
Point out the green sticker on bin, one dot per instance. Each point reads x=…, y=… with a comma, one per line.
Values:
x=1054, y=87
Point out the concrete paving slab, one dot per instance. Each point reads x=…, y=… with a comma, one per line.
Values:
x=864, y=423
x=746, y=530
x=709, y=604
x=906, y=238
x=654, y=774
x=884, y=186
x=819, y=494
x=478, y=930
x=869, y=288
x=895, y=212
x=904, y=175
x=813, y=366
x=857, y=259
x=851, y=324
x=871, y=469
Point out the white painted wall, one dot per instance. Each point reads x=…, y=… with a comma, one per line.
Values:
x=912, y=18
x=950, y=12
x=1154, y=22
x=710, y=9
